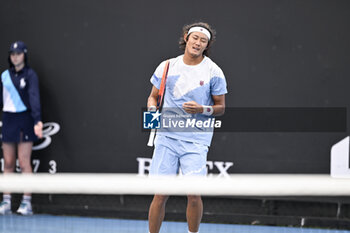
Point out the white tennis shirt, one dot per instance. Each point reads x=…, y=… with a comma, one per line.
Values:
x=189, y=83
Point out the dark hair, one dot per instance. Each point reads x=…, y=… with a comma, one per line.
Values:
x=186, y=28
x=25, y=60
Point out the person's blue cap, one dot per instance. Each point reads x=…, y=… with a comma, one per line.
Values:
x=18, y=47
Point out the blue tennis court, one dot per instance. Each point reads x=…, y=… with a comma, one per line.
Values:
x=68, y=224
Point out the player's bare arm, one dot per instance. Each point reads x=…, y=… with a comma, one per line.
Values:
x=193, y=107
x=152, y=99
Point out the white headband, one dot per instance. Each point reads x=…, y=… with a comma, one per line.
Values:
x=199, y=29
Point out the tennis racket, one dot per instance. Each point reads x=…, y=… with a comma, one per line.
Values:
x=161, y=93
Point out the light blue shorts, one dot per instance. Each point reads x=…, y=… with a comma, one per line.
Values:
x=171, y=156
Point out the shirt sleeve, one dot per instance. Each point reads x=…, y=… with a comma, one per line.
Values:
x=156, y=78
x=34, y=97
x=218, y=85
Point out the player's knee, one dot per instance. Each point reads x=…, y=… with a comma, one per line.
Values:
x=25, y=165
x=194, y=200
x=9, y=166
x=160, y=199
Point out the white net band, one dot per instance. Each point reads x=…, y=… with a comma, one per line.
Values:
x=234, y=185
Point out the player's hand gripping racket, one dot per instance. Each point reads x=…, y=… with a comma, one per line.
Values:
x=161, y=93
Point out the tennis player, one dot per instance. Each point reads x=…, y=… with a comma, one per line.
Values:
x=21, y=119
x=195, y=86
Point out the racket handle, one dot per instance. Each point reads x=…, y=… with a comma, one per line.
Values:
x=151, y=138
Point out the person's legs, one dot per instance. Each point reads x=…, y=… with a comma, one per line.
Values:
x=164, y=163
x=24, y=158
x=193, y=163
x=194, y=212
x=9, y=154
x=156, y=213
